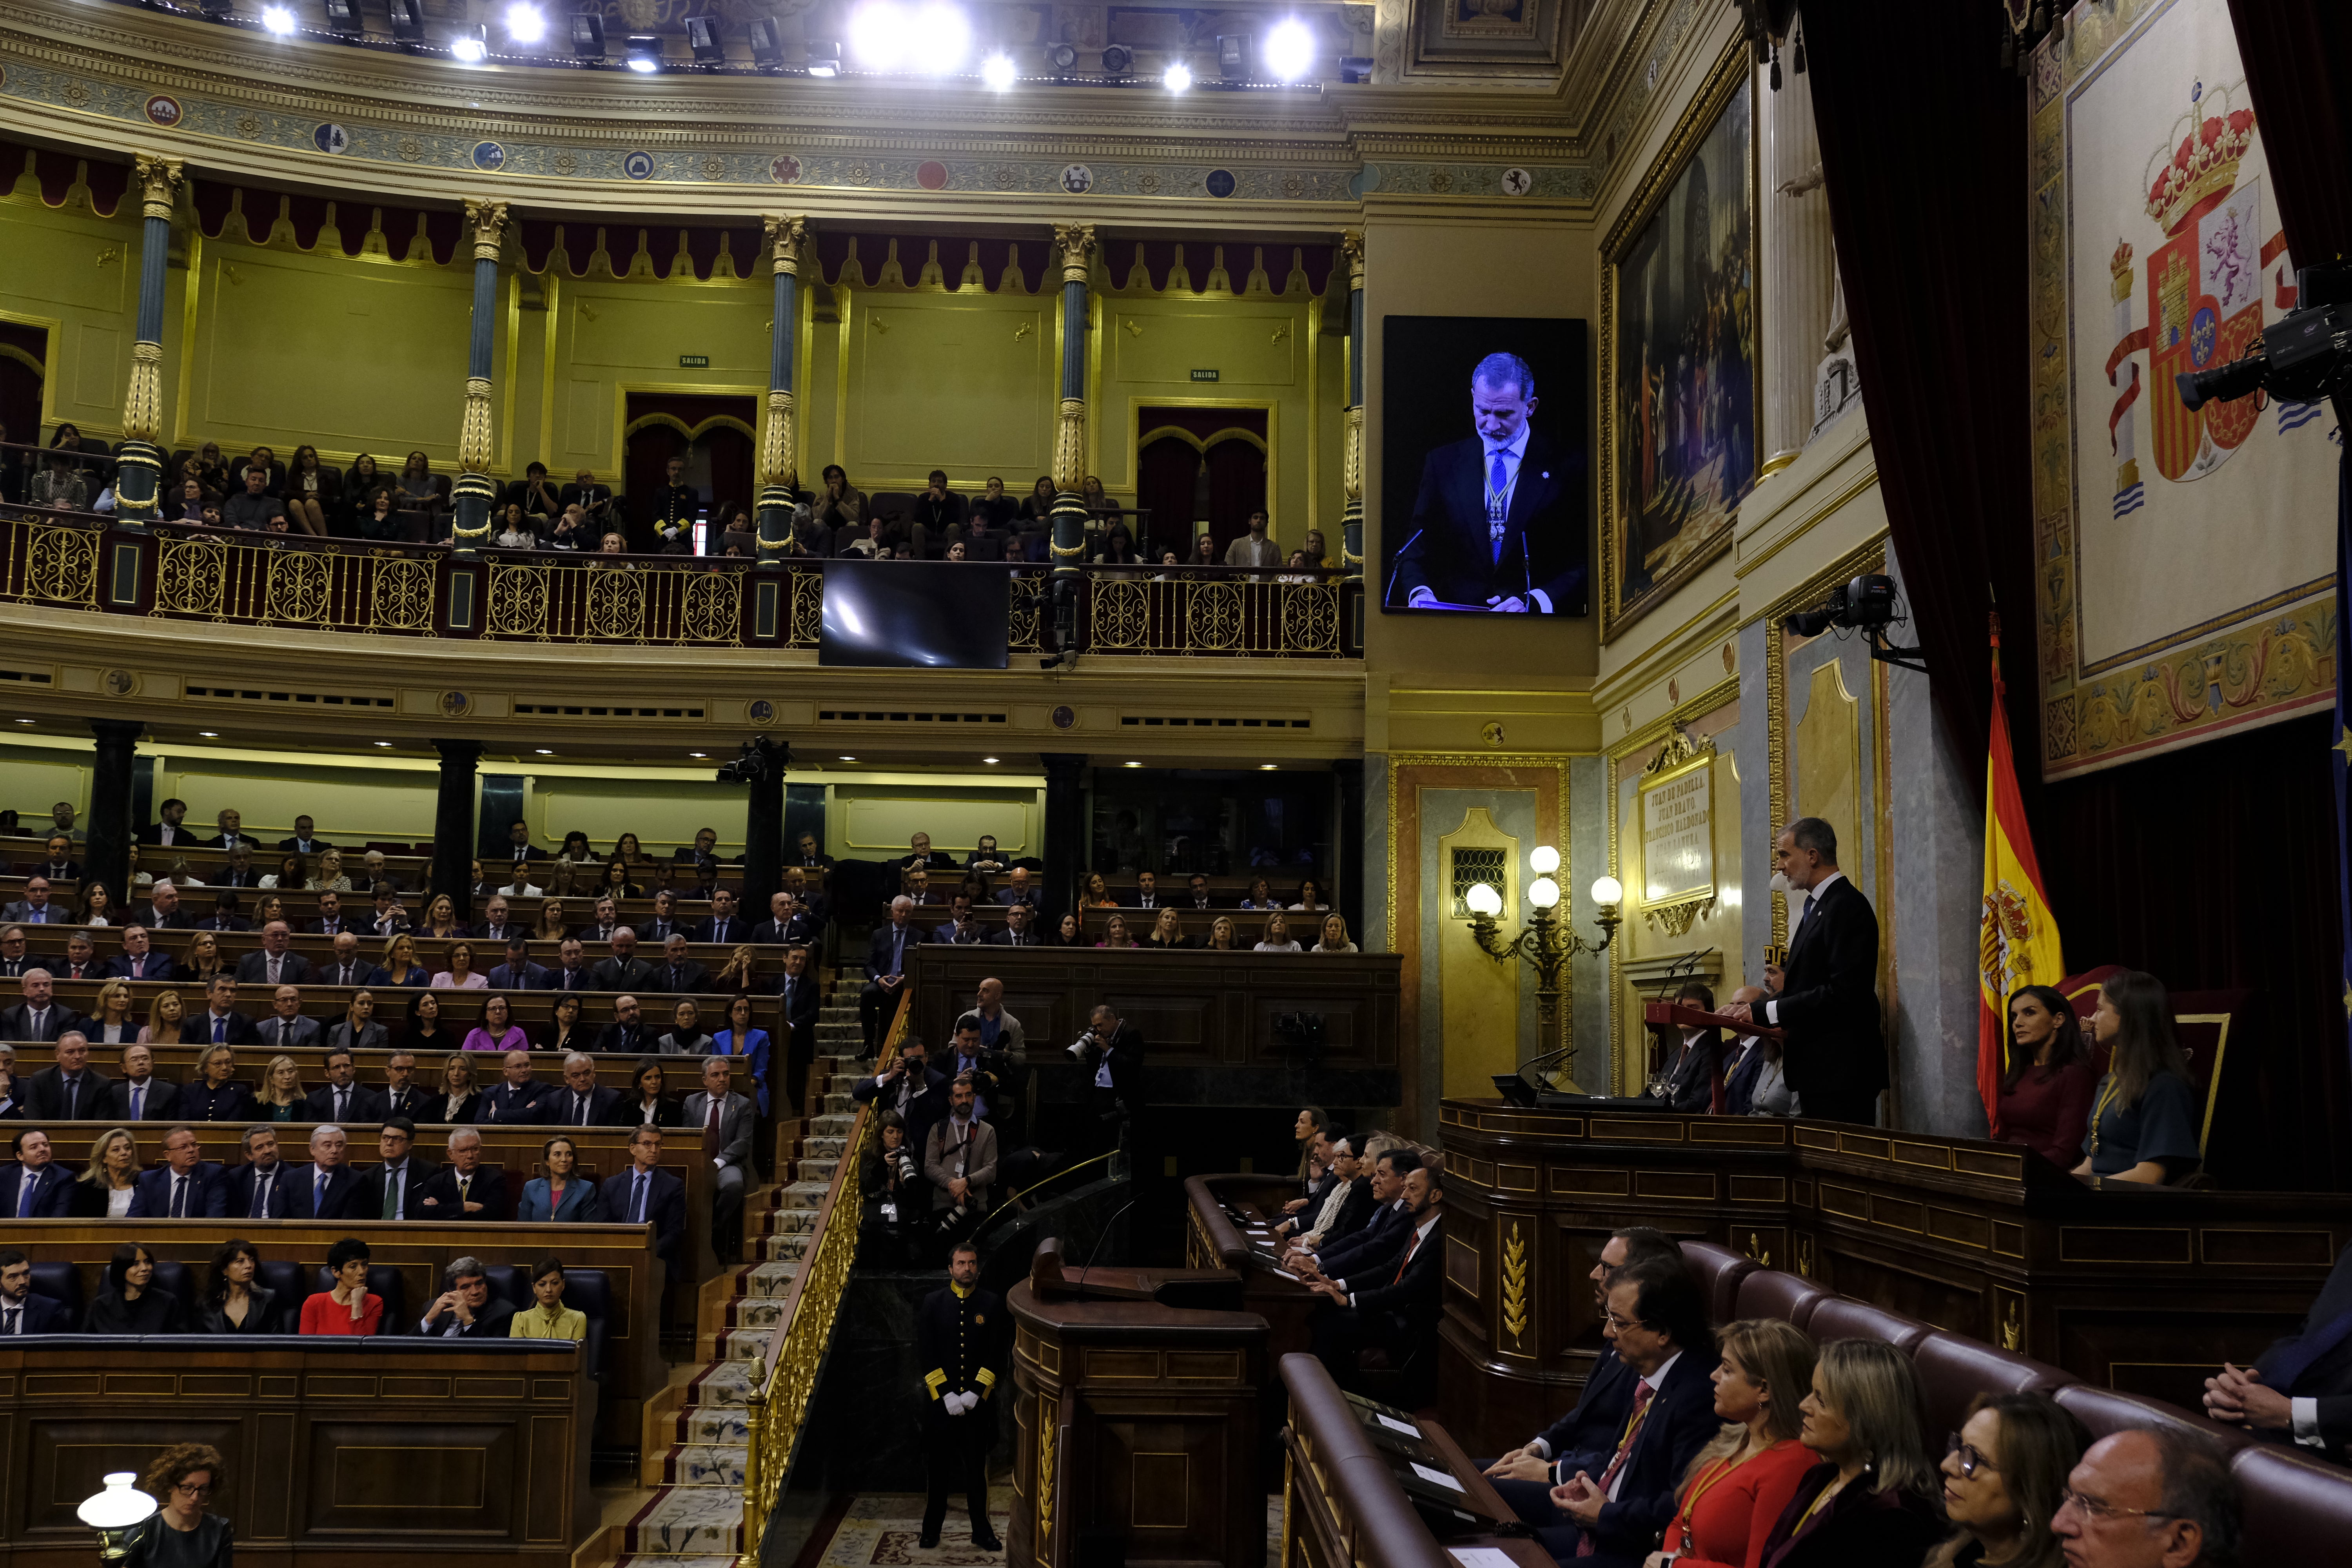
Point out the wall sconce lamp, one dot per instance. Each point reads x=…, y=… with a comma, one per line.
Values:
x=1547, y=944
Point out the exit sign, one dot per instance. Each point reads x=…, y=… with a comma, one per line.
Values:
x=702, y=361
x=1205, y=375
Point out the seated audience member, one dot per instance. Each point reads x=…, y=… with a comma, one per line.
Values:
x=618, y=883
x=624, y=970
x=2004, y=1480
x=1739, y=1483
x=112, y=1024
x=1276, y=937
x=293, y=874
x=1196, y=892
x=499, y=924
x=400, y=966
x=1115, y=933
x=22, y=1310
x=1017, y=888
x=919, y=889
x=1095, y=893
x=2155, y=1498
x=1309, y=898
x=239, y=871
x=274, y=964
x=279, y=1096
x=739, y=973
x=628, y=1030
x=547, y=1317
x=349, y=1307
x=109, y=1182
x=1335, y=936
x=1321, y=1175
x=2300, y=1389
x=786, y=924
x=517, y=1097
x=12, y=1086
x=458, y=1097
x=461, y=974
x=40, y=1018
x=663, y=922
x=1068, y=931
x=647, y=1102
x=1168, y=934
x=938, y=512
x=260, y=1188
x=724, y=925
x=999, y=1030
x=596, y=501
x=381, y=520
x=98, y=907
x=565, y=1192
x=677, y=972
x=392, y=1189
x=1348, y=1202
x=960, y=929
x=253, y=506
x=582, y=1102
x=327, y=1189
x=1691, y=1079
x=497, y=1031
x=1872, y=1498
x=1261, y=897
x=1221, y=937
x=985, y=857
x=1016, y=932
x=212, y=1093
x=742, y=1037
x=35, y=908
x=464, y=1188
x=235, y=1300
x=465, y=1309
x=140, y=961
x=1743, y=1059
x=358, y=1030
x=391, y=917
x=402, y=1095
x=129, y=1301
x=642, y=1193
x=416, y=485
x=285, y=1030
x=686, y=1036
x=1392, y=1305
x=71, y=1090
x=514, y=530
x=2046, y=1089
x=725, y=1120
x=343, y=1099
x=35, y=1186
x=347, y=966
x=2144, y=1117
x=139, y=1095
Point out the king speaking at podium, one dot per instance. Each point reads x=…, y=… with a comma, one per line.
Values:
x=1498, y=524
x=1826, y=996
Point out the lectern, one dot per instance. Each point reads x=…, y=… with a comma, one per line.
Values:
x=1136, y=1418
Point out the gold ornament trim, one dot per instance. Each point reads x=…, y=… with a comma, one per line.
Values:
x=1351, y=246
x=776, y=441
x=473, y=434
x=487, y=219
x=786, y=235
x=1075, y=241
x=1352, y=457
x=1515, y=1285
x=143, y=400
x=159, y=183
x=1070, y=446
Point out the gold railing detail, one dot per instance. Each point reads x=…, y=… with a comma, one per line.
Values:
x=60, y=564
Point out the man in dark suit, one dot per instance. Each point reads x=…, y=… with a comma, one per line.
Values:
x=390, y=1190
x=1691, y=1057
x=220, y=1024
x=276, y=964
x=678, y=973
x=1017, y=888
x=582, y=1101
x=724, y=924
x=643, y=1193
x=804, y=854
x=306, y=839
x=1498, y=523
x=663, y=922
x=1347, y=1206
x=2299, y=1390
x=1382, y=1233
x=23, y=1311
x=1621, y=1495
x=1196, y=892
x=343, y=1099
x=1826, y=998
x=140, y=961
x=262, y=1187
x=1743, y=1060
x=465, y=1310
x=72, y=1090
x=1320, y=1159
x=920, y=855
x=139, y=1095
x=225, y=916
x=350, y=967
x=238, y=872
x=1016, y=932
x=1391, y=1303
x=885, y=971
x=909, y=1087
x=166, y=830
x=400, y=1096
x=624, y=971
x=1111, y=1053
x=465, y=1187
x=326, y=1188
x=801, y=995
x=498, y=922
x=16, y=957
x=35, y=908
x=572, y=971
x=61, y=866
x=40, y=1018
x=724, y=1119
x=232, y=831
x=33, y=1187
x=163, y=910
x=519, y=849
x=518, y=1098
x=518, y=972
x=808, y=894
x=188, y=1186
x=330, y=920
x=960, y=929
x=627, y=1034
x=81, y=961
x=787, y=924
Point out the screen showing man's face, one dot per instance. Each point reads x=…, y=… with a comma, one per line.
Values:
x=1500, y=412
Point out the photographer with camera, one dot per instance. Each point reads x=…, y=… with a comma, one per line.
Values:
x=911, y=1086
x=960, y=1158
x=896, y=1193
x=1112, y=1055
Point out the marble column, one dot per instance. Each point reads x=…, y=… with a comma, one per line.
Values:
x=454, y=843
x=1075, y=243
x=475, y=492
x=778, y=479
x=1351, y=459
x=1065, y=832
x=139, y=475
x=105, y=854
x=763, y=833
x=1800, y=262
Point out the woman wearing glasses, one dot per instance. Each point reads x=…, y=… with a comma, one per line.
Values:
x=186, y=1532
x=2004, y=1480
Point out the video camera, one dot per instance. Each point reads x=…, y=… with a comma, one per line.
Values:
x=759, y=760
x=2304, y=356
x=1868, y=604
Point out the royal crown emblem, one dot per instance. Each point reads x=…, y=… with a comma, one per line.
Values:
x=2214, y=140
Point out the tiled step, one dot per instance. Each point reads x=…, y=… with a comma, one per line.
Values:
x=814, y=1170
x=762, y=1312
x=839, y=1103
x=805, y=1195
x=779, y=1250
x=831, y=1124
x=825, y=1146
x=773, y=1279
x=704, y=1465
x=687, y=1522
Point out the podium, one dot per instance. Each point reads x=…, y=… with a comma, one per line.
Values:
x=1135, y=1421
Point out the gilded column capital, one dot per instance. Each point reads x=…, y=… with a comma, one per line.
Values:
x=487, y=219
x=786, y=236
x=159, y=182
x=1075, y=241
x=1351, y=246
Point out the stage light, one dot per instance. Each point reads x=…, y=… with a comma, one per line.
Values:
x=1355, y=69
x=1117, y=60
x=278, y=19
x=1233, y=55
x=849, y=759
x=1131, y=764
x=526, y=24
x=545, y=753
x=1289, y=50
x=588, y=35
x=1177, y=77
x=1267, y=767
x=208, y=734
x=768, y=41
x=472, y=46
x=407, y=21
x=702, y=38
x=946, y=38
x=344, y=16
x=1062, y=56
x=877, y=34
x=989, y=760
x=645, y=53
x=823, y=57
x=999, y=72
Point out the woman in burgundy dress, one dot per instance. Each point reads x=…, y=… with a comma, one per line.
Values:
x=2045, y=1093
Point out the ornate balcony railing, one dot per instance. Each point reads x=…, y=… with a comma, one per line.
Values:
x=179, y=572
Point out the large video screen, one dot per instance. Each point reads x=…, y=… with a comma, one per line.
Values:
x=915, y=614
x=1484, y=466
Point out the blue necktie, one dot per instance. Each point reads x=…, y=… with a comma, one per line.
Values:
x=220, y=1031
x=637, y=1201
x=26, y=1185
x=1496, y=479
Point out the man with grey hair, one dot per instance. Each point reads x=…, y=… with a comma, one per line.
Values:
x=886, y=968
x=273, y=965
x=1824, y=995
x=464, y=1188
x=582, y=1102
x=326, y=1188
x=465, y=1310
x=1498, y=523
x=2157, y=1497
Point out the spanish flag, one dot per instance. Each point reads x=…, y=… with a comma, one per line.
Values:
x=2017, y=940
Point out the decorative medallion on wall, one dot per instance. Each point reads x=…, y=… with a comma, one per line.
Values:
x=1077, y=179
x=164, y=110
x=932, y=175
x=119, y=683
x=637, y=165
x=1517, y=182
x=761, y=711
x=1675, y=815
x=1064, y=718
x=1220, y=183
x=330, y=138
x=455, y=704
x=784, y=169
x=1491, y=732
x=489, y=157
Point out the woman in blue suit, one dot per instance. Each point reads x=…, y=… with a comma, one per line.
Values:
x=563, y=1193
x=739, y=1039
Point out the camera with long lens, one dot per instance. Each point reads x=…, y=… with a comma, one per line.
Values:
x=1868, y=604
x=759, y=761
x=2304, y=355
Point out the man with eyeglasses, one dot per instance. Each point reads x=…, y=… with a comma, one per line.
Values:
x=2154, y=1498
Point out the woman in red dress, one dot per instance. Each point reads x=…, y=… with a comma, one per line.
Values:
x=1738, y=1485
x=2045, y=1092
x=351, y=1307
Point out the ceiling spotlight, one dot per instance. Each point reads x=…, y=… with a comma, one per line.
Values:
x=208, y=734
x=878, y=34
x=823, y=57
x=697, y=754
x=1117, y=60
x=645, y=53
x=526, y=24
x=344, y=16
x=1355, y=69
x=988, y=758
x=1289, y=50
x=26, y=721
x=1131, y=764
x=385, y=745
x=407, y=21
x=702, y=37
x=849, y=759
x=1267, y=767
x=946, y=34
x=278, y=19
x=767, y=41
x=998, y=72
x=1177, y=78
x=1062, y=56
x=545, y=753
x=472, y=46
x=1233, y=55
x=588, y=35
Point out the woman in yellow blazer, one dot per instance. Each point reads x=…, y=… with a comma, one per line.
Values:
x=549, y=1319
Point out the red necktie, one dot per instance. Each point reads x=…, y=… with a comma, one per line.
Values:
x=1410, y=1248
x=1641, y=1392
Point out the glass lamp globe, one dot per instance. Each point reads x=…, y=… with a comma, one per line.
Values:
x=1608, y=890
x=1483, y=900
x=1543, y=892
x=118, y=1507
x=1543, y=860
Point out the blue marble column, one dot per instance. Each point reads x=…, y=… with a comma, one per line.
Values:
x=140, y=473
x=778, y=480
x=473, y=491
x=1075, y=242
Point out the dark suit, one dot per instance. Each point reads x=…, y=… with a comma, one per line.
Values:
x=438, y=1199
x=627, y=1039
x=178, y=919
x=339, y=1201
x=1833, y=1057
x=45, y=1101
x=231, y=1102
x=1394, y=1300
x=494, y=1321
x=1679, y=1422
x=680, y=978
x=1691, y=1071
x=1448, y=548
x=534, y=977
x=293, y=969
x=296, y=847
x=1355, y=1210
x=183, y=836
x=565, y=1110
x=886, y=953
x=42, y=1316
x=363, y=973
x=1739, y=1087
x=2323, y=1348
x=283, y=1178
x=414, y=1173
x=510, y=1104
x=610, y=974
x=920, y=1109
x=223, y=923
x=1005, y=938
x=664, y=1207
x=1382, y=1233
x=411, y=1102
x=361, y=1103
x=734, y=928
x=162, y=1102
x=146, y=966
x=561, y=979
x=798, y=932
x=52, y=1193
x=1110, y=1110
x=236, y=1029
x=206, y=1196
x=950, y=935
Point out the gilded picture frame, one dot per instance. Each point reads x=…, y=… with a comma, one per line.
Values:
x=1677, y=904
x=1680, y=367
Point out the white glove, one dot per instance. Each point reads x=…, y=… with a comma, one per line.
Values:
x=958, y=1404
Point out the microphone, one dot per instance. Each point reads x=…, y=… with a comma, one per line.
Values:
x=1398, y=567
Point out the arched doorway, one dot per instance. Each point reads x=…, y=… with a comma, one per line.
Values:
x=718, y=437
x=24, y=350
x=1200, y=470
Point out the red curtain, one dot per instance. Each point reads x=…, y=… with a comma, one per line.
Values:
x=1166, y=473
x=2298, y=60
x=730, y=451
x=1237, y=488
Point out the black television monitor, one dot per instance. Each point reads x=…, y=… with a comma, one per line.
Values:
x=915, y=614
